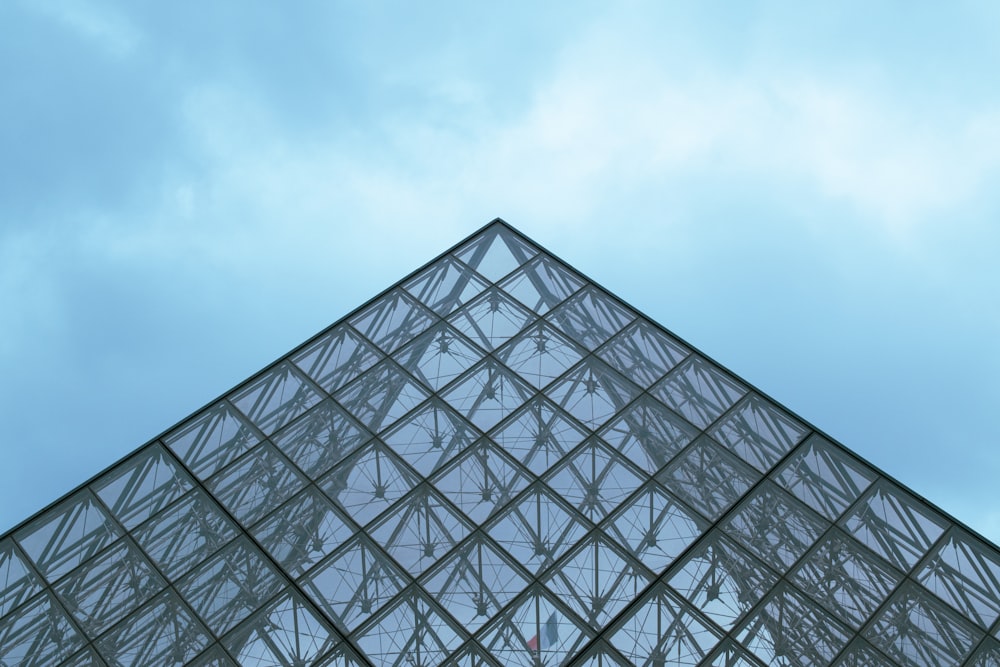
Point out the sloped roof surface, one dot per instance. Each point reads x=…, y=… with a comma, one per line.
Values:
x=495, y=462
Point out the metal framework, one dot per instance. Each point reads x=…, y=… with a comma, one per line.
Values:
x=495, y=462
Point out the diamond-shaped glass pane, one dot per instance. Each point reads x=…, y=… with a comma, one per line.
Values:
x=708, y=478
x=965, y=573
x=161, y=633
x=492, y=319
x=287, y=632
x=592, y=392
x=142, y=486
x=354, y=583
x=539, y=435
x=17, y=581
x=534, y=630
x=648, y=434
x=438, y=356
x=488, y=393
x=758, y=432
x=662, y=630
x=594, y=479
x=474, y=582
x=321, y=438
x=368, y=482
x=430, y=437
x=590, y=317
x=537, y=529
x=481, y=481
x=38, y=634
x=411, y=632
x=381, y=396
x=597, y=580
x=256, y=484
x=212, y=439
x=539, y=354
x=654, y=527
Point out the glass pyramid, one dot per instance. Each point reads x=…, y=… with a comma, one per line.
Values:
x=495, y=462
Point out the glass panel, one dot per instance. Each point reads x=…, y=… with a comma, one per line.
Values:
x=648, y=434
x=66, y=535
x=860, y=654
x=287, y=632
x=184, y=534
x=446, y=285
x=438, y=356
x=85, y=658
x=535, y=630
x=758, y=432
x=275, y=399
x=354, y=583
x=337, y=357
x=643, y=353
x=591, y=317
x=475, y=582
x=541, y=284
x=894, y=525
x=495, y=252
x=214, y=657
x=916, y=630
x=845, y=578
x=419, y=530
x=411, y=632
x=481, y=481
x=393, y=320
x=381, y=396
x=38, y=634
x=593, y=392
x=537, y=529
x=430, y=437
x=597, y=579
x=540, y=354
x=211, y=440
x=774, y=526
x=699, y=391
x=17, y=581
x=256, y=484
x=823, y=476
x=539, y=435
x=661, y=630
x=162, y=633
x=722, y=580
x=708, y=478
x=103, y=590
x=654, y=528
x=492, y=319
x=303, y=531
x=231, y=586
x=594, y=479
x=789, y=630
x=323, y=436
x=488, y=393
x=966, y=573
x=143, y=485
x=365, y=484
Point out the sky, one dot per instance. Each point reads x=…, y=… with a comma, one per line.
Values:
x=808, y=194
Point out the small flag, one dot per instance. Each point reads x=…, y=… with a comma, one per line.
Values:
x=548, y=636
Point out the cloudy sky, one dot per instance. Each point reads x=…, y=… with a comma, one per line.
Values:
x=808, y=195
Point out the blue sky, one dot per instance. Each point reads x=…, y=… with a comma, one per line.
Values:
x=806, y=194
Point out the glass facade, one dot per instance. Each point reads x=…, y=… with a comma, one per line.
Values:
x=495, y=462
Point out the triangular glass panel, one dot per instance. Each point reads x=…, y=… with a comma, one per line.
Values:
x=541, y=284
x=591, y=317
x=446, y=285
x=495, y=462
x=495, y=252
x=643, y=353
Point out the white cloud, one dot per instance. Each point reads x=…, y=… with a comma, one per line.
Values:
x=107, y=28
